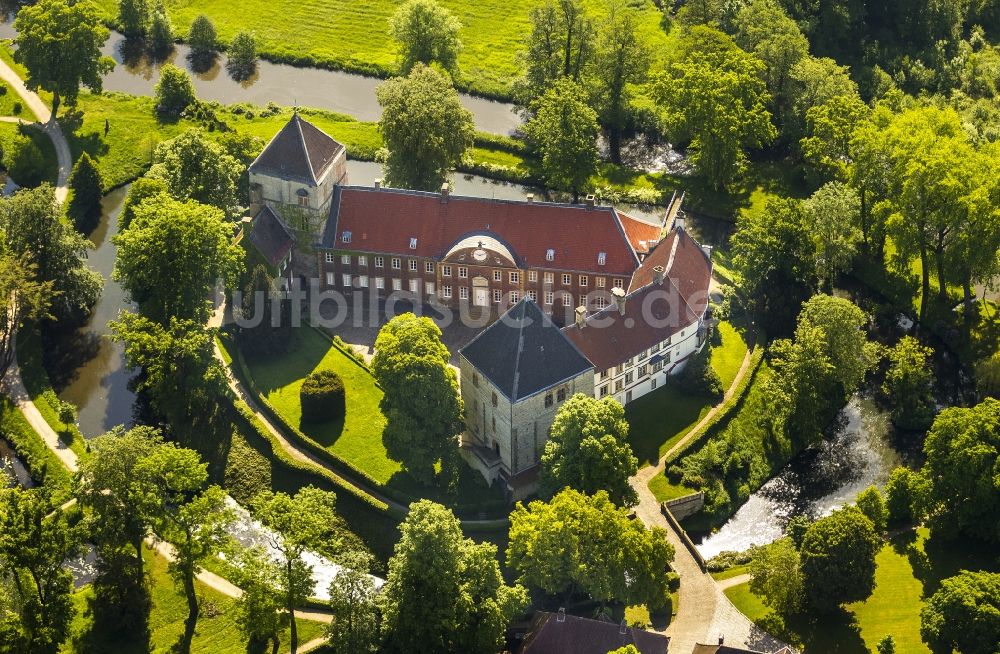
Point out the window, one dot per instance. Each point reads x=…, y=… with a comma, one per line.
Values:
x=362, y=260
x=642, y=355
x=413, y=265
x=497, y=295
x=532, y=275
x=428, y=266
x=619, y=283
x=548, y=278
x=658, y=366
x=604, y=391
x=548, y=297
x=329, y=279
x=619, y=370
x=363, y=281
x=329, y=257
x=567, y=299
x=583, y=280
x=497, y=276
x=602, y=258
x=397, y=284
x=548, y=400
x=346, y=237
x=380, y=262
x=655, y=348
x=515, y=277
x=303, y=200
x=446, y=291
x=652, y=383
x=629, y=377
x=494, y=400
x=514, y=297
x=380, y=283
x=414, y=286
x=567, y=279
x=599, y=281
x=561, y=395
x=618, y=386
x=413, y=244
x=345, y=259
x=533, y=296
x=604, y=374
x=463, y=273
x=642, y=370
x=395, y=263
x=446, y=271
x=550, y=255
x=346, y=279
x=429, y=287
x=600, y=302
x=463, y=292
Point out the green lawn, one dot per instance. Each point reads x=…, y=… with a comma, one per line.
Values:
x=728, y=356
x=217, y=631
x=11, y=104
x=729, y=573
x=353, y=36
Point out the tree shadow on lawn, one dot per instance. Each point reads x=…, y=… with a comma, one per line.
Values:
x=276, y=371
x=941, y=558
x=832, y=633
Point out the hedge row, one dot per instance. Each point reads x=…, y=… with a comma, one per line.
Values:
x=46, y=469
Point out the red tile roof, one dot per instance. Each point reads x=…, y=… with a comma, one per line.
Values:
x=642, y=235
x=385, y=221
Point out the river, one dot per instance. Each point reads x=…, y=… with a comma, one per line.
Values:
x=816, y=481
x=282, y=84
x=13, y=472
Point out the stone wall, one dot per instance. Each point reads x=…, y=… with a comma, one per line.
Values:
x=683, y=507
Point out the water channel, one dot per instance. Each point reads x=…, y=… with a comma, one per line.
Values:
x=282, y=84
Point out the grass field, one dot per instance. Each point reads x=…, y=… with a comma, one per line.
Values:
x=354, y=36
x=217, y=631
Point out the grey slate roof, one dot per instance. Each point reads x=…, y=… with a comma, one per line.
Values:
x=523, y=352
x=270, y=237
x=576, y=635
x=300, y=151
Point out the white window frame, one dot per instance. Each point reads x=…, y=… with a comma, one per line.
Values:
x=549, y=297
x=599, y=282
x=446, y=291
x=346, y=279
x=583, y=280
x=380, y=283
x=329, y=257
x=533, y=296
x=446, y=271
x=330, y=279
x=363, y=281
x=380, y=262
x=363, y=260
x=345, y=259
x=429, y=288
x=463, y=272
x=397, y=284
x=549, y=277
x=414, y=286
x=413, y=265
x=428, y=266
x=345, y=237
x=413, y=243
x=514, y=277
x=397, y=264
x=567, y=279
x=463, y=292
x=497, y=296
x=602, y=258
x=532, y=275
x=515, y=297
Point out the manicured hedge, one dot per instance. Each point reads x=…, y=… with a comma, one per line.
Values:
x=322, y=397
x=45, y=467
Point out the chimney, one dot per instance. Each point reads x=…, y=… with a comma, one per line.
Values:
x=623, y=628
x=445, y=191
x=707, y=249
x=530, y=197
x=378, y=183
x=619, y=294
x=679, y=223
x=561, y=616
x=590, y=201
x=722, y=640
x=658, y=274
x=581, y=317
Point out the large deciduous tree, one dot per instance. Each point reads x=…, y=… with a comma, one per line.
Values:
x=133, y=17
x=909, y=384
x=174, y=92
x=198, y=168
x=776, y=576
x=425, y=128
x=259, y=611
x=714, y=98
x=421, y=401
x=427, y=33
x=564, y=133
x=583, y=544
x=444, y=593
x=59, y=43
x=963, y=614
x=838, y=559
x=171, y=256
x=833, y=214
x=561, y=44
x=354, y=603
x=23, y=299
x=588, y=450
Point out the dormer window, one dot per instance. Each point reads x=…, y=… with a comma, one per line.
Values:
x=602, y=258
x=346, y=237
x=550, y=255
x=413, y=244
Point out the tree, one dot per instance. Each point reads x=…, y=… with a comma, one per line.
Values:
x=194, y=519
x=564, y=133
x=161, y=31
x=421, y=427
x=963, y=614
x=830, y=127
x=627, y=649
x=588, y=450
x=174, y=92
x=583, y=544
x=561, y=44
x=988, y=376
x=814, y=82
x=133, y=17
x=621, y=61
x=242, y=55
x=887, y=645
x=88, y=188
x=906, y=497
x=33, y=225
x=833, y=214
x=189, y=244
x=847, y=346
x=425, y=128
x=23, y=299
x=773, y=254
x=963, y=455
x=197, y=168
x=203, y=38
x=872, y=504
x=35, y=541
x=259, y=609
x=300, y=522
x=354, y=604
x=802, y=396
x=444, y=593
x=776, y=577
x=714, y=98
x=974, y=253
x=908, y=384
x=265, y=317
x=427, y=33
x=59, y=43
x=141, y=190
x=838, y=559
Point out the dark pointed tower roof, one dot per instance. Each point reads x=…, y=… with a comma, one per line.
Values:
x=300, y=151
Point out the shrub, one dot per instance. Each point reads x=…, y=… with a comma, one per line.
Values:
x=247, y=473
x=84, y=207
x=202, y=38
x=322, y=397
x=872, y=504
x=133, y=17
x=174, y=92
x=700, y=378
x=24, y=160
x=161, y=31
x=242, y=55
